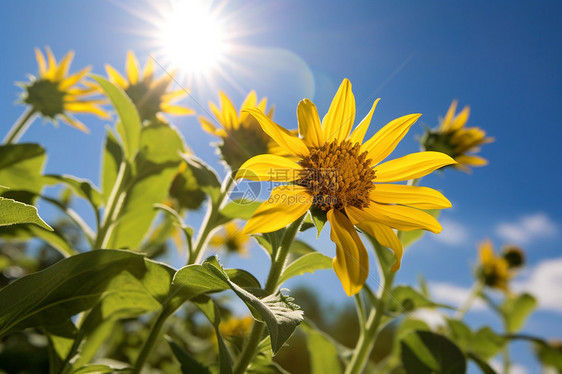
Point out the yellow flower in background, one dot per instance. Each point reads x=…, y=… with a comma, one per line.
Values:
x=55, y=93
x=231, y=239
x=342, y=176
x=456, y=140
x=236, y=326
x=149, y=95
x=241, y=134
x=494, y=271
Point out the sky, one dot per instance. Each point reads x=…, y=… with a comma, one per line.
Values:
x=502, y=58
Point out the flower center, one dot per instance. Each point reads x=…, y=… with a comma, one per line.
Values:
x=147, y=99
x=338, y=175
x=45, y=97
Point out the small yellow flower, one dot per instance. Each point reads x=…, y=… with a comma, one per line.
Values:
x=54, y=94
x=150, y=96
x=342, y=176
x=241, y=134
x=493, y=270
x=231, y=239
x=236, y=326
x=456, y=140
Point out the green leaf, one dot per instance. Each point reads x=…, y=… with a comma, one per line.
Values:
x=61, y=339
x=81, y=187
x=178, y=221
x=483, y=343
x=153, y=173
x=323, y=353
x=75, y=284
x=410, y=237
x=100, y=369
x=549, y=354
x=21, y=166
x=13, y=212
x=426, y=352
x=308, y=263
x=129, y=124
x=483, y=365
x=30, y=231
x=205, y=176
x=189, y=365
x=406, y=299
x=319, y=219
x=270, y=241
x=516, y=310
x=112, y=158
x=300, y=248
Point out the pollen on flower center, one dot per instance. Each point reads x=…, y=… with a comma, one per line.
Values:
x=337, y=175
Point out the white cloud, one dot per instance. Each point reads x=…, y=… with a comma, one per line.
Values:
x=453, y=233
x=448, y=293
x=433, y=317
x=544, y=281
x=527, y=228
x=513, y=368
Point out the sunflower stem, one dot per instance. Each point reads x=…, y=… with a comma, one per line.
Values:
x=155, y=332
x=474, y=293
x=20, y=126
x=277, y=266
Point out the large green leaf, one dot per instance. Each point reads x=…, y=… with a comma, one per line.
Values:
x=13, y=212
x=483, y=344
x=81, y=187
x=112, y=158
x=30, y=231
x=78, y=283
x=516, y=310
x=308, y=263
x=322, y=350
x=426, y=352
x=129, y=124
x=153, y=172
x=21, y=166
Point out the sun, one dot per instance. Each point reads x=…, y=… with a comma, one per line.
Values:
x=193, y=37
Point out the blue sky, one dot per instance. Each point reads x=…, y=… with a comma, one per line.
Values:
x=501, y=58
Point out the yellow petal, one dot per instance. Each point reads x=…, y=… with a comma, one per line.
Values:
x=486, y=252
x=52, y=69
x=173, y=95
x=283, y=137
x=132, y=68
x=285, y=205
x=417, y=197
x=249, y=102
x=176, y=110
x=208, y=126
x=62, y=69
x=218, y=114
x=383, y=234
x=460, y=119
x=149, y=70
x=228, y=111
x=73, y=122
x=269, y=168
x=448, y=120
x=85, y=107
x=337, y=123
x=41, y=62
x=414, y=165
x=351, y=263
x=358, y=134
x=386, y=139
x=309, y=124
x=472, y=160
x=262, y=105
x=400, y=217
x=115, y=77
x=73, y=79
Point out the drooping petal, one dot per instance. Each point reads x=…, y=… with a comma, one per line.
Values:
x=176, y=110
x=358, y=134
x=52, y=69
x=41, y=62
x=173, y=95
x=62, y=69
x=285, y=205
x=228, y=111
x=269, y=168
x=351, y=263
x=400, y=217
x=208, y=126
x=132, y=68
x=148, y=70
x=282, y=136
x=386, y=139
x=249, y=102
x=337, y=123
x=73, y=122
x=472, y=160
x=309, y=124
x=414, y=196
x=218, y=114
x=460, y=119
x=411, y=166
x=85, y=107
x=448, y=120
x=115, y=77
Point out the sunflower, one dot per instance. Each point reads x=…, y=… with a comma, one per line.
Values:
x=55, y=94
x=231, y=239
x=241, y=134
x=342, y=177
x=456, y=140
x=150, y=96
x=494, y=271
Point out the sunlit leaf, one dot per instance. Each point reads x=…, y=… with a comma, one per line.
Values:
x=406, y=299
x=112, y=158
x=81, y=187
x=516, y=309
x=205, y=176
x=323, y=353
x=13, y=212
x=308, y=263
x=21, y=166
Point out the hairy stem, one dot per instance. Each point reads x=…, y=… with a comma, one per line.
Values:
x=20, y=126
